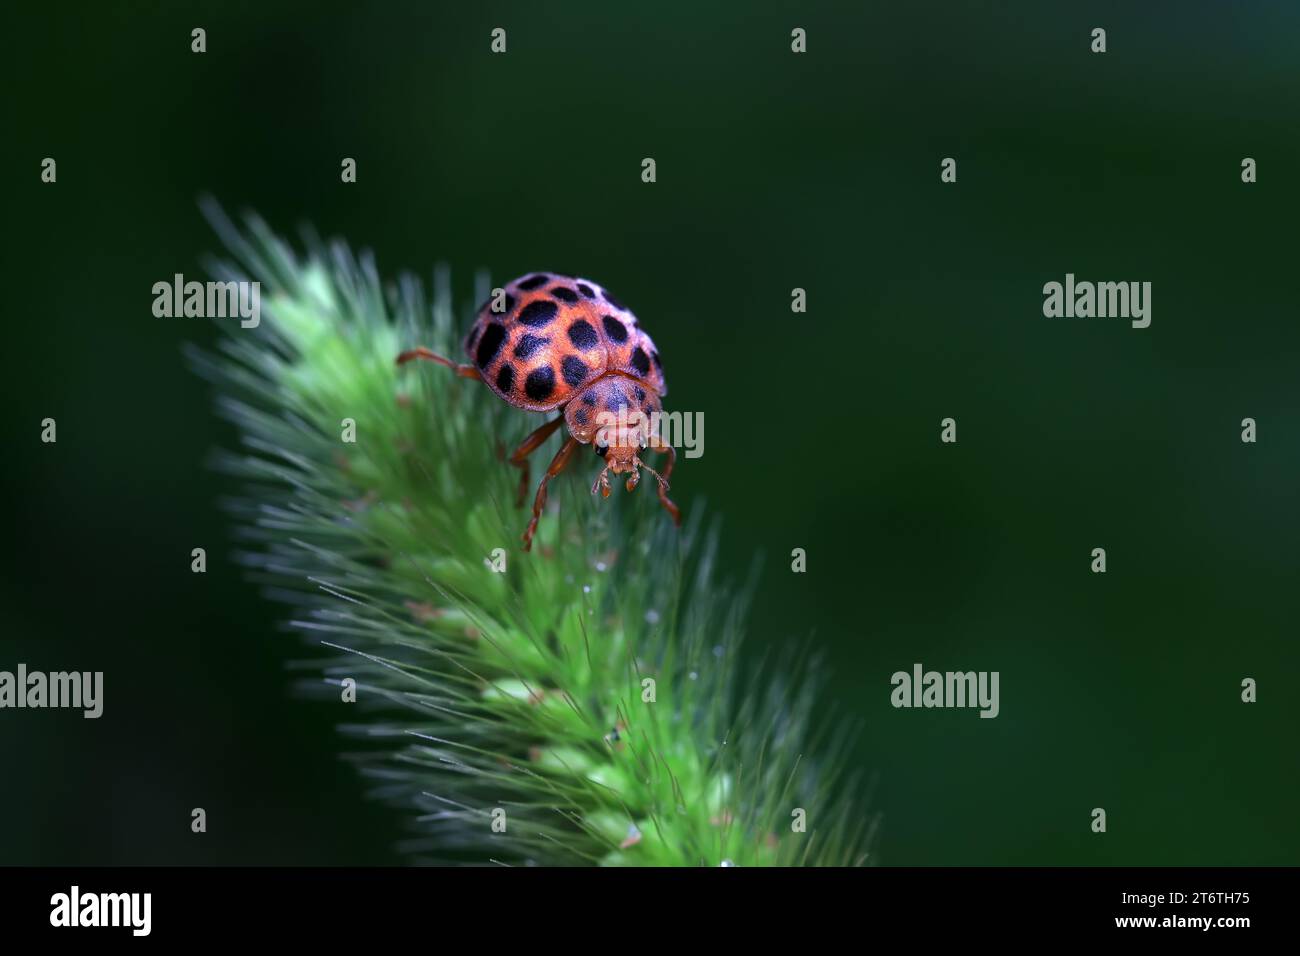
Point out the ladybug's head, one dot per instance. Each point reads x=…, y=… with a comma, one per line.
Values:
x=614, y=415
x=621, y=448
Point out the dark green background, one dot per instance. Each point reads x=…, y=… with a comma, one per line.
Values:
x=822, y=430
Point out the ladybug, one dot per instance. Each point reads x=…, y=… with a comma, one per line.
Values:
x=565, y=344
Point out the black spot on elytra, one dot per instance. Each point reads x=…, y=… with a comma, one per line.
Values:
x=581, y=417
x=539, y=313
x=611, y=300
x=565, y=295
x=589, y=399
x=490, y=344
x=640, y=361
x=533, y=282
x=586, y=290
x=506, y=377
x=583, y=335
x=654, y=357
x=540, y=383
x=615, y=329
x=574, y=370
x=640, y=394
x=528, y=344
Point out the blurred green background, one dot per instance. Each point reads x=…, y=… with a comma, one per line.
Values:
x=822, y=430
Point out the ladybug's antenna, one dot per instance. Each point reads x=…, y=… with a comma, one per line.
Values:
x=658, y=477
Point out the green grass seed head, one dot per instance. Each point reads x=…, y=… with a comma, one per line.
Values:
x=579, y=704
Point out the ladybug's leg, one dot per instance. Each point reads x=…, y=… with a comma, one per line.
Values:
x=529, y=445
x=557, y=465
x=658, y=444
x=464, y=371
